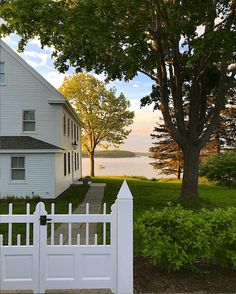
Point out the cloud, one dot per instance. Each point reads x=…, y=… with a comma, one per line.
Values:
x=36, y=58
x=55, y=78
x=36, y=41
x=144, y=121
x=11, y=41
x=135, y=85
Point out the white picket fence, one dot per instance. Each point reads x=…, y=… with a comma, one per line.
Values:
x=39, y=263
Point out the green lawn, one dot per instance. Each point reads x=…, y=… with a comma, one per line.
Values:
x=150, y=194
x=74, y=195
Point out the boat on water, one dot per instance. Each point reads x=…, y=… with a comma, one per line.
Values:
x=101, y=166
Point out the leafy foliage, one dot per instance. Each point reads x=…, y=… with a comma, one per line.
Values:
x=169, y=157
x=221, y=169
x=105, y=117
x=186, y=47
x=177, y=238
x=166, y=152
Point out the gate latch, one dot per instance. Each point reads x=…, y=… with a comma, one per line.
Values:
x=43, y=220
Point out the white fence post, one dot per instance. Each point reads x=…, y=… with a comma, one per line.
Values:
x=124, y=240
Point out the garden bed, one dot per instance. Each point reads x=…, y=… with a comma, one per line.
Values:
x=148, y=279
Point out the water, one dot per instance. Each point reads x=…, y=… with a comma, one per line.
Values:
x=131, y=166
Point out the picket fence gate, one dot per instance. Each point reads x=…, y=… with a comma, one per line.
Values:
x=40, y=263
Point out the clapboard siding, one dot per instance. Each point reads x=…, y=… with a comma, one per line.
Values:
x=39, y=176
x=23, y=91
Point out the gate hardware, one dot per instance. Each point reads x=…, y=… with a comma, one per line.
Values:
x=43, y=220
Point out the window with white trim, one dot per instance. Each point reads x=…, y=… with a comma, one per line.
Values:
x=64, y=124
x=77, y=133
x=29, y=121
x=18, y=168
x=65, y=169
x=2, y=72
x=71, y=129
x=68, y=127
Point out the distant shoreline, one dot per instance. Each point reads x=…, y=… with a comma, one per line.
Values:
x=115, y=154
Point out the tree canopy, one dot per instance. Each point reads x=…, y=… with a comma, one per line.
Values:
x=186, y=47
x=105, y=117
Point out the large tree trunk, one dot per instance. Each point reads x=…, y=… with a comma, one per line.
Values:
x=91, y=155
x=191, y=172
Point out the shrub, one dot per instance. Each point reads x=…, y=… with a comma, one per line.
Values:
x=176, y=238
x=221, y=169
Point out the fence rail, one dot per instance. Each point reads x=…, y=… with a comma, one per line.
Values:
x=74, y=261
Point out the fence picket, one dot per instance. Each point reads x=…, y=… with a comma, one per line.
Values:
x=78, y=239
x=52, y=224
x=18, y=242
x=104, y=226
x=87, y=226
x=68, y=265
x=70, y=226
x=27, y=225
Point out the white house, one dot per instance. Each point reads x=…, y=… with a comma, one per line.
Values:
x=40, y=143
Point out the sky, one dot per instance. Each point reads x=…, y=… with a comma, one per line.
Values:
x=145, y=119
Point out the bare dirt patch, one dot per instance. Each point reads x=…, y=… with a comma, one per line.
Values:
x=148, y=279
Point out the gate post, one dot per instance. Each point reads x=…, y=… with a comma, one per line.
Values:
x=124, y=261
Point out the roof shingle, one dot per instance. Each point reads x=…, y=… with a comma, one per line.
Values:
x=24, y=142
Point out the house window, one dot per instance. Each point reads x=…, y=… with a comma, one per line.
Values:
x=64, y=164
x=64, y=124
x=71, y=129
x=77, y=133
x=2, y=72
x=28, y=120
x=75, y=161
x=18, y=168
x=68, y=127
x=68, y=162
x=74, y=131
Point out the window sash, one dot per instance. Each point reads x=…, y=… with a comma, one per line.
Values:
x=65, y=163
x=29, y=120
x=71, y=129
x=68, y=162
x=2, y=68
x=77, y=133
x=68, y=127
x=18, y=168
x=2, y=78
x=64, y=124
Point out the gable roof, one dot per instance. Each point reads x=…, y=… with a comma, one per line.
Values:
x=41, y=79
x=24, y=142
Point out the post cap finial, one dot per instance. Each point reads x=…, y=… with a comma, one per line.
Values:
x=124, y=192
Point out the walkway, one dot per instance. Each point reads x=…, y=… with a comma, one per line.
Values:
x=94, y=197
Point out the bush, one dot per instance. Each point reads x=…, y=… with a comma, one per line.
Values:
x=221, y=169
x=176, y=238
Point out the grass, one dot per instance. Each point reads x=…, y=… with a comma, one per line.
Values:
x=157, y=194
x=74, y=195
x=149, y=194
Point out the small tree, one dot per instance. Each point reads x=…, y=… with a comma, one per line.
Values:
x=104, y=116
x=221, y=169
x=166, y=152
